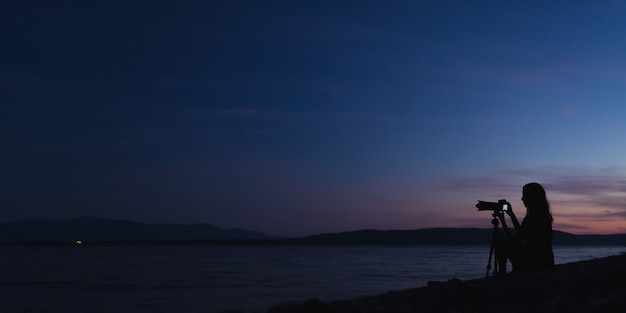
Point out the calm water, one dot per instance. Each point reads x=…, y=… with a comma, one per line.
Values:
x=214, y=278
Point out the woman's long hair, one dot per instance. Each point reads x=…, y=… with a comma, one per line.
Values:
x=536, y=201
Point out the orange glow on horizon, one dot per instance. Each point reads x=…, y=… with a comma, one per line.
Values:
x=583, y=219
x=575, y=226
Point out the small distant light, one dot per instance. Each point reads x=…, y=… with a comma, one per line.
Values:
x=79, y=242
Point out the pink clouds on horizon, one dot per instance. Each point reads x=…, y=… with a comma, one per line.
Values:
x=582, y=200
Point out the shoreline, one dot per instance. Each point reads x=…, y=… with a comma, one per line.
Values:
x=597, y=285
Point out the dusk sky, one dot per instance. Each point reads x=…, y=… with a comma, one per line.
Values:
x=301, y=117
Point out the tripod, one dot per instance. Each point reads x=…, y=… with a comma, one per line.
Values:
x=496, y=236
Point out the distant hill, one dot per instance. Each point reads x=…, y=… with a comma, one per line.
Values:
x=444, y=236
x=97, y=229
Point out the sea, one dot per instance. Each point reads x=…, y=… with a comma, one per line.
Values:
x=217, y=278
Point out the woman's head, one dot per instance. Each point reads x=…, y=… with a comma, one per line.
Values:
x=535, y=200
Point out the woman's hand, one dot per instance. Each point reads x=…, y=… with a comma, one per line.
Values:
x=509, y=211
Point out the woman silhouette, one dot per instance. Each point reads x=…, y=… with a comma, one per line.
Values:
x=531, y=248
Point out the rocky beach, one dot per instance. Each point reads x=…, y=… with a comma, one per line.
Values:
x=597, y=285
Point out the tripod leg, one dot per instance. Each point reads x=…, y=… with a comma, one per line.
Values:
x=496, y=267
x=491, y=254
x=501, y=254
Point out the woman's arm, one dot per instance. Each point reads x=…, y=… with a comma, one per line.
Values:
x=513, y=218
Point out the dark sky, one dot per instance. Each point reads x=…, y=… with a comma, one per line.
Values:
x=294, y=118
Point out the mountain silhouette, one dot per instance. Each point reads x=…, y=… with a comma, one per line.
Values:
x=444, y=236
x=97, y=229
x=101, y=230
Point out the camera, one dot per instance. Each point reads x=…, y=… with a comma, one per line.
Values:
x=501, y=205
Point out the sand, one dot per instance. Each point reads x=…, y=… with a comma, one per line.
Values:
x=588, y=286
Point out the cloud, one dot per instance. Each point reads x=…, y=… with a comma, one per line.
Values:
x=602, y=191
x=594, y=188
x=570, y=111
x=236, y=112
x=478, y=185
x=224, y=112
